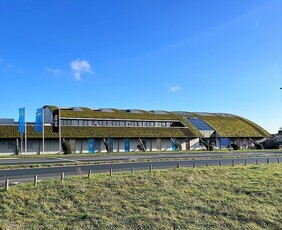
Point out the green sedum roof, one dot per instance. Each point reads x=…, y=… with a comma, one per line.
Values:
x=116, y=114
x=227, y=125
x=98, y=132
x=234, y=126
x=119, y=114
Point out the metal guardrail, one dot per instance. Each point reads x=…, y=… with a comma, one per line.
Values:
x=167, y=164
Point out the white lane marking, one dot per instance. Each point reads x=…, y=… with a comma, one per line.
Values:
x=66, y=159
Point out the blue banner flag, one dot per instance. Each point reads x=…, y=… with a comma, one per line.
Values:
x=38, y=121
x=21, y=120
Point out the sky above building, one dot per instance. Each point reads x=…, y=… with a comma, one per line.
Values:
x=181, y=55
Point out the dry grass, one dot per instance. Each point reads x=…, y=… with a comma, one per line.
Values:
x=240, y=197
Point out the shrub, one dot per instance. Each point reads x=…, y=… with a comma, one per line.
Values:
x=16, y=151
x=178, y=146
x=208, y=146
x=235, y=146
x=258, y=145
x=139, y=147
x=66, y=147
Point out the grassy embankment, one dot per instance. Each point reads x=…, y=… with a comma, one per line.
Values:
x=240, y=197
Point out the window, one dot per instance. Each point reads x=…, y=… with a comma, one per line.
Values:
x=200, y=124
x=119, y=123
x=66, y=122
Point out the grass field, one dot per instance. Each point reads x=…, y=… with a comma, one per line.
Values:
x=240, y=197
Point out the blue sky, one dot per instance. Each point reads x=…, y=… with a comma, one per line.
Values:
x=198, y=56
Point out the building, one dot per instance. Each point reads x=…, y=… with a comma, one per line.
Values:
x=114, y=130
x=278, y=137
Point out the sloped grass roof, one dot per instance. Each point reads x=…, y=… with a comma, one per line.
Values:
x=119, y=114
x=98, y=132
x=226, y=126
x=255, y=126
x=235, y=126
x=124, y=132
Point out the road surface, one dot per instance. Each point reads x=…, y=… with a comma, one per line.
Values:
x=130, y=157
x=20, y=175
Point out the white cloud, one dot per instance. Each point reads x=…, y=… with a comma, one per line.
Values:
x=173, y=89
x=79, y=67
x=56, y=72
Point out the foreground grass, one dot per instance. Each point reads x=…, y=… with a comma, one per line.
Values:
x=240, y=197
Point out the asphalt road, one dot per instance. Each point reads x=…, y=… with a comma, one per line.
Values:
x=130, y=157
x=20, y=175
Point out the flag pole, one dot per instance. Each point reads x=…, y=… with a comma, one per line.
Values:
x=43, y=124
x=25, y=135
x=21, y=144
x=60, y=135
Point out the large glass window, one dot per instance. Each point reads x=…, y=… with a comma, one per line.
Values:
x=200, y=124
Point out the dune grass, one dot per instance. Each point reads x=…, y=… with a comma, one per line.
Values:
x=240, y=197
